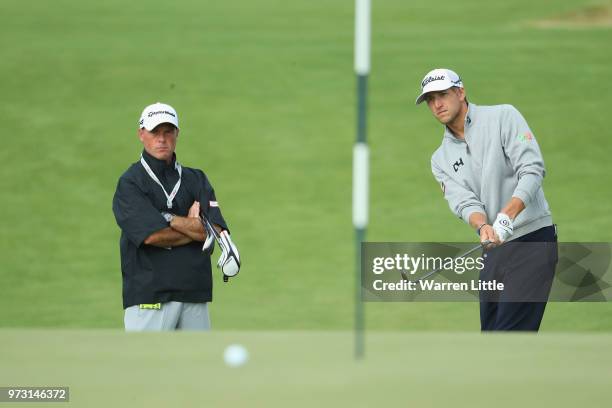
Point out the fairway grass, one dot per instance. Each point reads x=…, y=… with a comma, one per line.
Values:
x=265, y=92
x=106, y=368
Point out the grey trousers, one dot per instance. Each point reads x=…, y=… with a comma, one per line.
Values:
x=171, y=316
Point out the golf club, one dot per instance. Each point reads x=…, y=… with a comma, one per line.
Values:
x=482, y=245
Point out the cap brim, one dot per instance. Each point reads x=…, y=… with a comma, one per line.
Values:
x=150, y=125
x=150, y=128
x=420, y=99
x=433, y=88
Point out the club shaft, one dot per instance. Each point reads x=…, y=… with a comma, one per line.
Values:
x=427, y=275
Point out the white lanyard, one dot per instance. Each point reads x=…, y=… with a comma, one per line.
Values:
x=169, y=197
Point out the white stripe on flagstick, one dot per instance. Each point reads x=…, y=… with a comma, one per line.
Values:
x=362, y=37
x=361, y=154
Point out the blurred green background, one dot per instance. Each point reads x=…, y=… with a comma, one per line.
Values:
x=265, y=91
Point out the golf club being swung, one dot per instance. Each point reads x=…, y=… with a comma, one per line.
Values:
x=482, y=245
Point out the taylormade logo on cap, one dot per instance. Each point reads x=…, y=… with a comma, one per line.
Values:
x=438, y=79
x=160, y=112
x=157, y=114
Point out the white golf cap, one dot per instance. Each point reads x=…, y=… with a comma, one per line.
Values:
x=156, y=114
x=438, y=79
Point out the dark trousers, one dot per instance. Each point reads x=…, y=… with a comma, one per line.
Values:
x=526, y=267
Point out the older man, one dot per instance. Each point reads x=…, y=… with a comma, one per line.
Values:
x=167, y=279
x=490, y=169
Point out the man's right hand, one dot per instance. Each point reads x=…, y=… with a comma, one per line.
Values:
x=487, y=233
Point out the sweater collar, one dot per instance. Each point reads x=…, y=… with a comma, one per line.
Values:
x=470, y=117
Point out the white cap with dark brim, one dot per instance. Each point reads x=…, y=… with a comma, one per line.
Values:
x=438, y=79
x=156, y=114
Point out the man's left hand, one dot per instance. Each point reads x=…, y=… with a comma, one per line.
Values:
x=194, y=211
x=503, y=227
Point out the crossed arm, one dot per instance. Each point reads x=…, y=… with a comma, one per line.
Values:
x=182, y=230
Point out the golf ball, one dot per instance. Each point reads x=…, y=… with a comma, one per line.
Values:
x=235, y=355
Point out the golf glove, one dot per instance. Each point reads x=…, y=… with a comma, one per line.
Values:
x=229, y=261
x=503, y=227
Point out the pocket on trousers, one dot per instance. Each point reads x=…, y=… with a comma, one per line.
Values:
x=552, y=252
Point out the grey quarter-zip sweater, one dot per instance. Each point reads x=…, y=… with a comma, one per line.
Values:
x=498, y=159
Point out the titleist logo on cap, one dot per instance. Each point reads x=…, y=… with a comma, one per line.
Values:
x=431, y=79
x=160, y=112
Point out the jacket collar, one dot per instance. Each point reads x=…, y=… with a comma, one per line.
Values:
x=159, y=166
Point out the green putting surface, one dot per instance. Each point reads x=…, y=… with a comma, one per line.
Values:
x=107, y=368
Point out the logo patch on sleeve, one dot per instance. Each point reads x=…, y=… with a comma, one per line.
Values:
x=213, y=203
x=525, y=137
x=443, y=187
